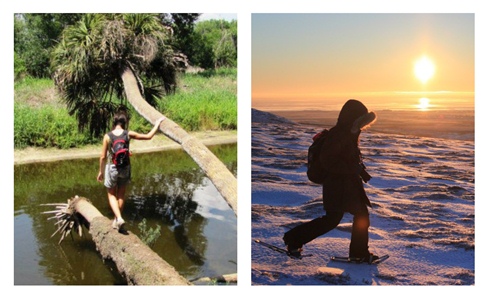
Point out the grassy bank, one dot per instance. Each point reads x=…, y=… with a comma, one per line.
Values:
x=203, y=101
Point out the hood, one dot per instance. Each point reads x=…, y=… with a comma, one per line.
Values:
x=363, y=122
x=355, y=116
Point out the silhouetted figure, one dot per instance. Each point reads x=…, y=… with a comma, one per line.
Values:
x=343, y=189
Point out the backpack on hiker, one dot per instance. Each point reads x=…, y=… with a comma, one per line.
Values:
x=120, y=149
x=315, y=170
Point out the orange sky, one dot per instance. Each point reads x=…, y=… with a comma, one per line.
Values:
x=302, y=57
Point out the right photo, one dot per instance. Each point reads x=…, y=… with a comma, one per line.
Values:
x=363, y=149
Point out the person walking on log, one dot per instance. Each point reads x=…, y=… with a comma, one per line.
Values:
x=115, y=168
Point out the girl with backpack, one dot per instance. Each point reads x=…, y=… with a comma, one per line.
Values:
x=114, y=169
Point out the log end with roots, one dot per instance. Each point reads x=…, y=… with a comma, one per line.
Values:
x=67, y=218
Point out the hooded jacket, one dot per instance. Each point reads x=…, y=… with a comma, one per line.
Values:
x=343, y=188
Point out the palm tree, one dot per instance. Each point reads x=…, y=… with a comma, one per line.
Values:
x=107, y=59
x=92, y=55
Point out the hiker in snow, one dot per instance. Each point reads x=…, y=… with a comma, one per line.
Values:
x=343, y=189
x=114, y=169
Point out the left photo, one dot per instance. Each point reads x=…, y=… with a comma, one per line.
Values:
x=125, y=149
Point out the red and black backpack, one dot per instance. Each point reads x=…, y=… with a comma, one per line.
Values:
x=120, y=149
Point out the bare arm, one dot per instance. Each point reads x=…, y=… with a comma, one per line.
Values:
x=147, y=136
x=103, y=158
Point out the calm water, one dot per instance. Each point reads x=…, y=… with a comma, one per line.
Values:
x=198, y=228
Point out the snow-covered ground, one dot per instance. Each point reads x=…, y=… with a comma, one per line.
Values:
x=423, y=209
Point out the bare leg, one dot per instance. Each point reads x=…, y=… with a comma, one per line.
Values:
x=113, y=202
x=121, y=197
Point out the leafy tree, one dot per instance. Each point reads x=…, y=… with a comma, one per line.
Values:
x=35, y=35
x=215, y=43
x=226, y=50
x=19, y=67
x=208, y=44
x=92, y=55
x=182, y=25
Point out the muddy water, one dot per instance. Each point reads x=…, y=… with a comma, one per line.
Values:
x=198, y=230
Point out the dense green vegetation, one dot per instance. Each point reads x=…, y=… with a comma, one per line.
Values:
x=77, y=61
x=206, y=101
x=206, y=44
x=203, y=101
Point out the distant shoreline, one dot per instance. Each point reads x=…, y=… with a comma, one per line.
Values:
x=448, y=124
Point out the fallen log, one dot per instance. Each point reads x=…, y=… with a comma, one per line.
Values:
x=134, y=259
x=224, y=181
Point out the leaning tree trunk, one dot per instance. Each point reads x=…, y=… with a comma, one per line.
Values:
x=134, y=259
x=217, y=172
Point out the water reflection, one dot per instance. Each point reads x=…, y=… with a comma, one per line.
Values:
x=198, y=229
x=424, y=104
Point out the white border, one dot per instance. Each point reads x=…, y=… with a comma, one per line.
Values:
x=244, y=10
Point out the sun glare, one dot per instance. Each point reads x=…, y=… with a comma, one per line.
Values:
x=424, y=104
x=424, y=69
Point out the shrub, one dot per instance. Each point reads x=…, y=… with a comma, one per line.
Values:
x=46, y=127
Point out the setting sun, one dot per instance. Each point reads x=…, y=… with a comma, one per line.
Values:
x=424, y=69
x=411, y=57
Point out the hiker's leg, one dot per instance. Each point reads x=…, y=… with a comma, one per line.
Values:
x=113, y=202
x=123, y=179
x=308, y=231
x=359, y=235
x=121, y=197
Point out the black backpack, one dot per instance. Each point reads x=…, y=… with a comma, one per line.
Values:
x=120, y=149
x=315, y=171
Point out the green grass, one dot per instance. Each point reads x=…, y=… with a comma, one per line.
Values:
x=46, y=126
x=36, y=93
x=203, y=101
x=33, y=84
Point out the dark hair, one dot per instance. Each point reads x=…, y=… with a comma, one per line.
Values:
x=121, y=118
